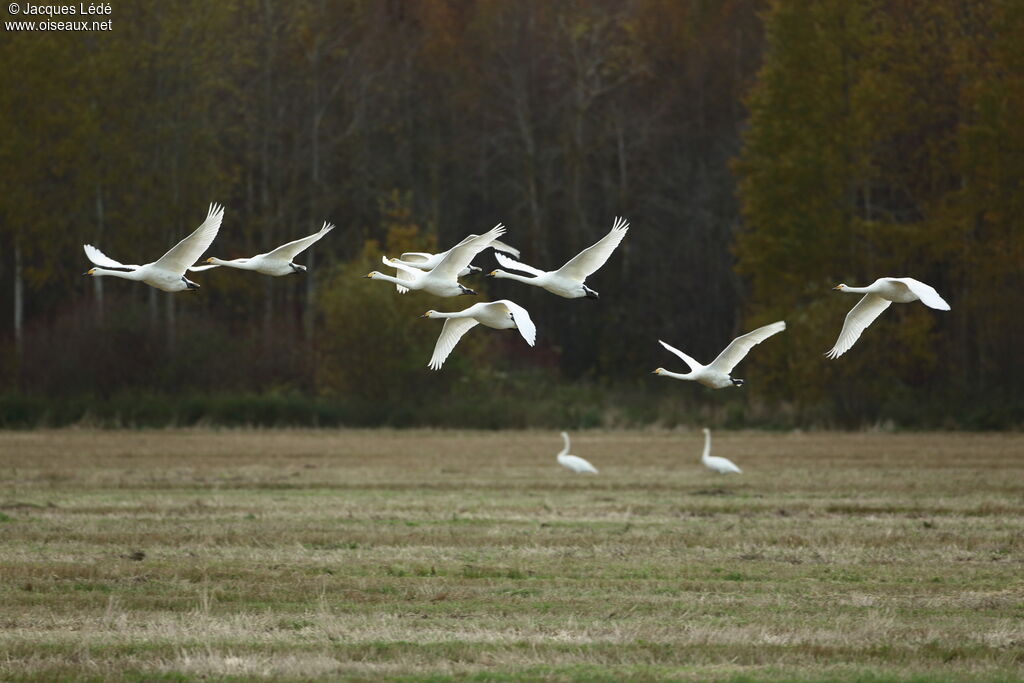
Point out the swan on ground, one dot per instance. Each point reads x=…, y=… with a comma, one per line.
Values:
x=714, y=462
x=573, y=462
x=422, y=260
x=716, y=374
x=877, y=297
x=568, y=280
x=498, y=315
x=277, y=262
x=167, y=272
x=442, y=280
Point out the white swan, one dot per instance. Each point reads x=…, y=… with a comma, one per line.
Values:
x=877, y=297
x=498, y=315
x=714, y=462
x=568, y=280
x=167, y=272
x=573, y=462
x=277, y=262
x=443, y=279
x=716, y=374
x=422, y=260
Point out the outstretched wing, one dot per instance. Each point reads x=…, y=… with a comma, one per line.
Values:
x=738, y=349
x=498, y=245
x=186, y=252
x=459, y=256
x=522, y=319
x=104, y=261
x=926, y=293
x=857, y=320
x=694, y=365
x=416, y=256
x=593, y=257
x=289, y=251
x=451, y=333
x=516, y=265
x=402, y=272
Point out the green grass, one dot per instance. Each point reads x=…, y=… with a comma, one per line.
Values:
x=432, y=556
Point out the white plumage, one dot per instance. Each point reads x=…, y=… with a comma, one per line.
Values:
x=568, y=280
x=714, y=462
x=877, y=297
x=277, y=262
x=167, y=272
x=498, y=315
x=716, y=374
x=573, y=462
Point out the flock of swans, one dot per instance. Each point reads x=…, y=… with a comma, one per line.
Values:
x=439, y=274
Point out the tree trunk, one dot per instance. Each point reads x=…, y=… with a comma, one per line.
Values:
x=19, y=303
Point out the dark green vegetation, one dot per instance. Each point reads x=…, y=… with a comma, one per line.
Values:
x=763, y=152
x=171, y=555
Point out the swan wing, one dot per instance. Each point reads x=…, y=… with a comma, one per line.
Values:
x=416, y=256
x=402, y=272
x=102, y=260
x=460, y=256
x=522, y=319
x=593, y=257
x=926, y=293
x=287, y=252
x=451, y=333
x=857, y=320
x=739, y=347
x=512, y=264
x=186, y=252
x=578, y=464
x=498, y=245
x=694, y=365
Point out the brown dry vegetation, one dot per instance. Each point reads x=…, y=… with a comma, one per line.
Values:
x=426, y=555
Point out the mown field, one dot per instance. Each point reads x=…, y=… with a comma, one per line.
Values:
x=423, y=555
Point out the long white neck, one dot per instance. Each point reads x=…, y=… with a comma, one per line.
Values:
x=126, y=274
x=565, y=449
x=502, y=275
x=707, y=446
x=233, y=263
x=857, y=290
x=410, y=284
x=677, y=375
x=453, y=314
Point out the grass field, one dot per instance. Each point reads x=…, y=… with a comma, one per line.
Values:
x=421, y=555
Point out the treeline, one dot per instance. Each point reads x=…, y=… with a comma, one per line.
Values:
x=867, y=139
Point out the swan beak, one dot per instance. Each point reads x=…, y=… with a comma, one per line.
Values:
x=491, y=274
x=89, y=272
x=426, y=315
x=469, y=291
x=369, y=275
x=838, y=287
x=656, y=372
x=209, y=260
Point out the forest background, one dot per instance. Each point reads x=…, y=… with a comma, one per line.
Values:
x=763, y=152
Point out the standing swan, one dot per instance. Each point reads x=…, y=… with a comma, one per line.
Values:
x=877, y=297
x=443, y=279
x=568, y=280
x=167, y=272
x=714, y=462
x=277, y=262
x=716, y=374
x=498, y=315
x=573, y=462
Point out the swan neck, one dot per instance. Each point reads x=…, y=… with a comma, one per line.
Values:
x=126, y=274
x=707, y=447
x=501, y=274
x=388, y=278
x=565, y=447
x=857, y=290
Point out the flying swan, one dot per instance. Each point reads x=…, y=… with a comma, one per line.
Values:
x=573, y=462
x=716, y=374
x=168, y=272
x=277, y=262
x=714, y=462
x=568, y=280
x=877, y=297
x=498, y=315
x=422, y=260
x=443, y=279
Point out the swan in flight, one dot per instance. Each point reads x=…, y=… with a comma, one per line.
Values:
x=714, y=462
x=877, y=297
x=573, y=462
x=277, y=262
x=167, y=272
x=716, y=374
x=568, y=280
x=498, y=315
x=422, y=260
x=442, y=280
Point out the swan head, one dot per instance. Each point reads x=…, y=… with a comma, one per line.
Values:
x=706, y=431
x=428, y=313
x=658, y=371
x=89, y=272
x=840, y=287
x=372, y=274
x=493, y=273
x=209, y=260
